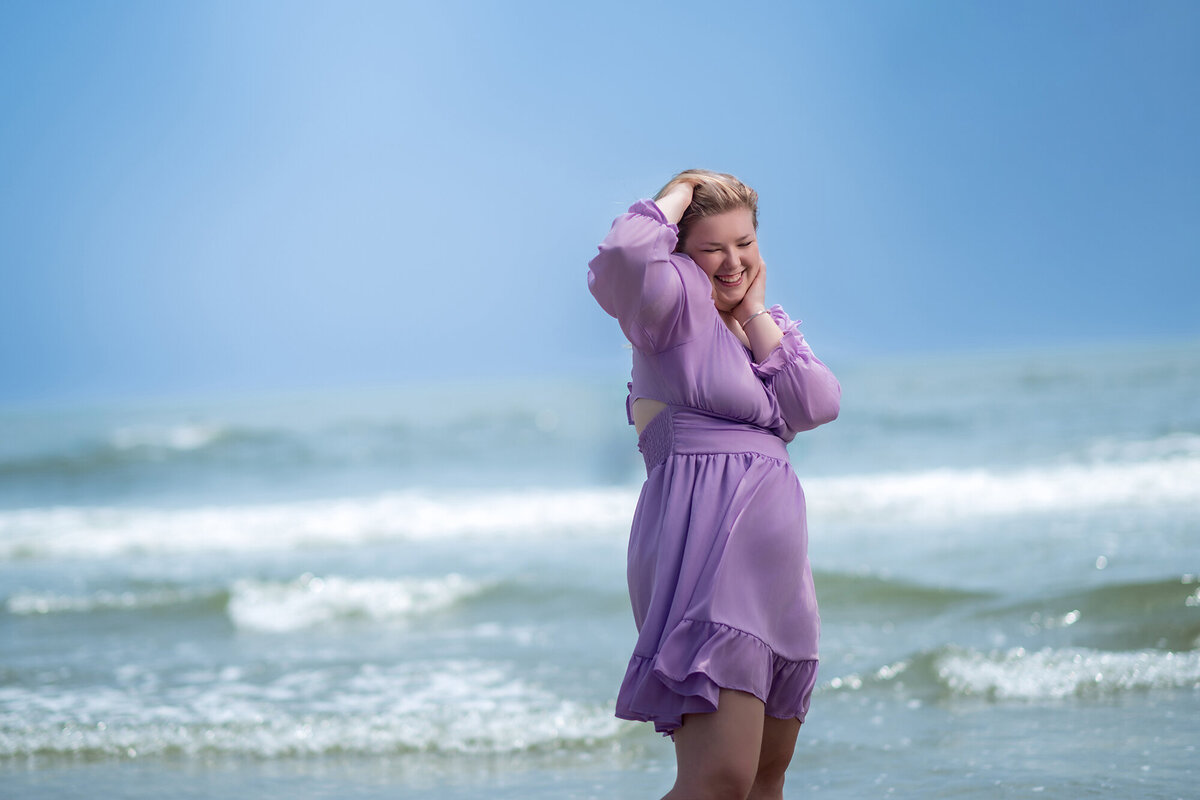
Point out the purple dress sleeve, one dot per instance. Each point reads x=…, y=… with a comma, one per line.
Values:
x=654, y=294
x=805, y=392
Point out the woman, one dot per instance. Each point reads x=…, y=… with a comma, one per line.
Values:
x=719, y=579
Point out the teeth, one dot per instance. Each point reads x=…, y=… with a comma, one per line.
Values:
x=730, y=279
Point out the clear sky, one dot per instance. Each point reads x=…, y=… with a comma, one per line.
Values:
x=226, y=196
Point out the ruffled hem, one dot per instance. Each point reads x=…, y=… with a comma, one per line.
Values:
x=696, y=661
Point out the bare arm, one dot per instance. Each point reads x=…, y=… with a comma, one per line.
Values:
x=675, y=200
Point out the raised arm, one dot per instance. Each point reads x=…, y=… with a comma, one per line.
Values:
x=675, y=199
x=634, y=278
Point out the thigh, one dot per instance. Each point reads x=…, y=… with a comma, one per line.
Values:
x=778, y=745
x=722, y=748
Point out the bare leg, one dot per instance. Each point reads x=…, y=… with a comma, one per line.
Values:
x=718, y=754
x=778, y=744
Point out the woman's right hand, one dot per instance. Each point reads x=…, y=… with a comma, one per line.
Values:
x=675, y=200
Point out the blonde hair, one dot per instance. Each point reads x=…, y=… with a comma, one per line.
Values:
x=712, y=193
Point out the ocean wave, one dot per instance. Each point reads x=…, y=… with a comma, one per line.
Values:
x=948, y=495
x=91, y=531
x=1117, y=616
x=1051, y=674
x=33, y=603
x=311, y=600
x=444, y=706
x=182, y=437
x=847, y=593
x=268, y=444
x=271, y=606
x=133, y=450
x=1168, y=447
x=921, y=497
x=1037, y=675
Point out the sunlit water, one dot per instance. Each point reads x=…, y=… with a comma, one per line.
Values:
x=420, y=593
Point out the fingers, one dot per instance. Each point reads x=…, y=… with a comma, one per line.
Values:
x=757, y=292
x=760, y=277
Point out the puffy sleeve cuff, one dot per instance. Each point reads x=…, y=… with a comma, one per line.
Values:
x=648, y=208
x=789, y=349
x=805, y=392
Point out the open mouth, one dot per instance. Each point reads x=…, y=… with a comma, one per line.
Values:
x=730, y=280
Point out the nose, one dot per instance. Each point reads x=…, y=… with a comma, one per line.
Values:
x=733, y=258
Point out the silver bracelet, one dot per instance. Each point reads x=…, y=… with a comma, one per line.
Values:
x=752, y=316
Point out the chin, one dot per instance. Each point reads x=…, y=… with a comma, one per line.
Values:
x=726, y=303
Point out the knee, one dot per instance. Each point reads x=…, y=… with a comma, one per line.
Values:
x=767, y=785
x=772, y=769
x=774, y=766
x=731, y=781
x=718, y=781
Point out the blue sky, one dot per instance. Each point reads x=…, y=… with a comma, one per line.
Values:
x=220, y=196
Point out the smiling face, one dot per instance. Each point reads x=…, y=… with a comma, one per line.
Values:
x=725, y=246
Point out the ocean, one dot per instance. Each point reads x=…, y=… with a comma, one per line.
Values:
x=420, y=592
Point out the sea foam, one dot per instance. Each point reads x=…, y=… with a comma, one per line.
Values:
x=91, y=531
x=1050, y=673
x=312, y=600
x=947, y=495
x=28, y=603
x=272, y=606
x=440, y=706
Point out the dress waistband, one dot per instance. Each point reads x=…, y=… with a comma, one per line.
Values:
x=681, y=430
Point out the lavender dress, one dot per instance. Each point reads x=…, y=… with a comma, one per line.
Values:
x=718, y=568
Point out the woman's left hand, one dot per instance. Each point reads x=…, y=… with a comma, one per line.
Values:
x=760, y=328
x=755, y=299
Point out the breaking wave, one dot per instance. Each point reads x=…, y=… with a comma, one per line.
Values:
x=1047, y=674
x=441, y=706
x=1051, y=674
x=81, y=532
x=948, y=495
x=311, y=600
x=931, y=496
x=272, y=606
